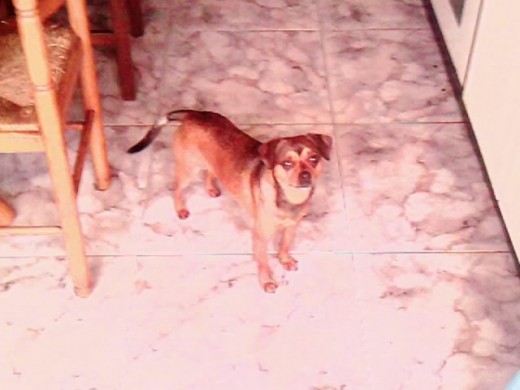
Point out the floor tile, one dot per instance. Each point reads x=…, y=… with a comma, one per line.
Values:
x=430, y=320
x=388, y=76
x=182, y=313
x=246, y=15
x=370, y=14
x=255, y=77
x=107, y=217
x=111, y=219
x=405, y=278
x=415, y=187
x=25, y=186
x=440, y=320
x=148, y=61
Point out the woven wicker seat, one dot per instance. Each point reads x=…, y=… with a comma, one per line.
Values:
x=40, y=69
x=15, y=84
x=17, y=111
x=17, y=118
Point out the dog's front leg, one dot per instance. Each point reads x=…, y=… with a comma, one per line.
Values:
x=287, y=261
x=265, y=274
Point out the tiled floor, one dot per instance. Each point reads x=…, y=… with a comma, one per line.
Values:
x=405, y=279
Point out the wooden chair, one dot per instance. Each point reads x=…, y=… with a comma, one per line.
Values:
x=34, y=101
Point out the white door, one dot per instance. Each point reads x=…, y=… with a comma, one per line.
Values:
x=492, y=98
x=457, y=20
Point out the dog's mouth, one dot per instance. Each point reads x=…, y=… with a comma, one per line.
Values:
x=302, y=185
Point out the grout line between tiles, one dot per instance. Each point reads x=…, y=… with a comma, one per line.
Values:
x=331, y=108
x=296, y=253
x=337, y=254
x=319, y=29
x=310, y=254
x=148, y=185
x=342, y=123
x=365, y=357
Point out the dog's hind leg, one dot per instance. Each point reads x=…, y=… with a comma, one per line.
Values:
x=182, y=178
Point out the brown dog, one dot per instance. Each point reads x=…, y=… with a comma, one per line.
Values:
x=274, y=181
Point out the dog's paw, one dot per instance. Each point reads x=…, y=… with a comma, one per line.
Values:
x=183, y=214
x=270, y=287
x=214, y=192
x=288, y=263
x=265, y=277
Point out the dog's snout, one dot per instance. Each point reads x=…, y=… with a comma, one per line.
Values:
x=305, y=178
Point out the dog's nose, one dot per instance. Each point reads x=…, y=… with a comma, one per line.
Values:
x=305, y=178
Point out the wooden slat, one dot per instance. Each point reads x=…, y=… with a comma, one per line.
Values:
x=29, y=230
x=135, y=14
x=75, y=125
x=83, y=149
x=120, y=21
x=77, y=10
x=27, y=142
x=103, y=39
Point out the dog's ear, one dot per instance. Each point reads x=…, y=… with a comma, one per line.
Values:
x=323, y=144
x=267, y=152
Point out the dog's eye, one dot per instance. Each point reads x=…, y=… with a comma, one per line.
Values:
x=287, y=164
x=313, y=160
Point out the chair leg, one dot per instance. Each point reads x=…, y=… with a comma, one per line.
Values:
x=51, y=127
x=74, y=243
x=77, y=12
x=121, y=27
x=65, y=196
x=135, y=15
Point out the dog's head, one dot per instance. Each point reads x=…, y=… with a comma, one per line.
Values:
x=296, y=162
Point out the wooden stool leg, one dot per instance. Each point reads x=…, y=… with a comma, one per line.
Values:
x=135, y=15
x=121, y=28
x=77, y=15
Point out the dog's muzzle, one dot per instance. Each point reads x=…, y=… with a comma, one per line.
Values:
x=305, y=179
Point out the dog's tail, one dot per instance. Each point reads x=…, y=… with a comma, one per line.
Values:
x=173, y=116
